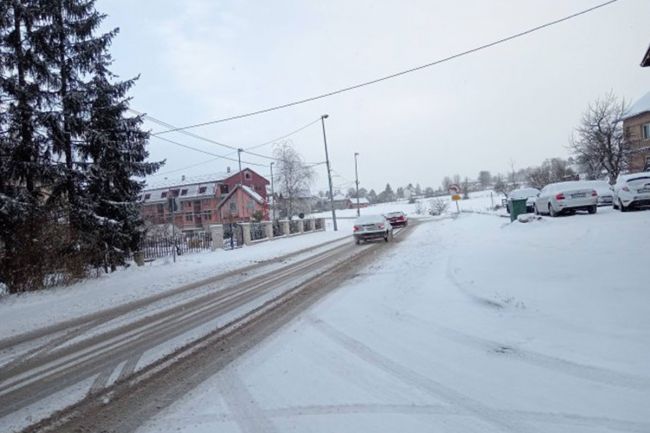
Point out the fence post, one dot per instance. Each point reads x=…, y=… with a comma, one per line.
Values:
x=246, y=230
x=301, y=226
x=285, y=227
x=268, y=229
x=216, y=230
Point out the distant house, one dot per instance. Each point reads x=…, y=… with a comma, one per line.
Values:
x=646, y=59
x=636, y=125
x=196, y=200
x=363, y=202
x=242, y=204
x=341, y=201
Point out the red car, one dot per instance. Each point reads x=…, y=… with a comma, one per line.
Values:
x=397, y=219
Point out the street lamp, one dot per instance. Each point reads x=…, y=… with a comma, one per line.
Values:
x=356, y=177
x=329, y=173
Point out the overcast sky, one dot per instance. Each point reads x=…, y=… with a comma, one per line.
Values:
x=517, y=103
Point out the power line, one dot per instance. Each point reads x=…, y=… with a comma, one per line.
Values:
x=196, y=149
x=398, y=74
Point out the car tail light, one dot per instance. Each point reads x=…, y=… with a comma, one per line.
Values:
x=400, y=218
x=356, y=228
x=626, y=189
x=560, y=196
x=594, y=194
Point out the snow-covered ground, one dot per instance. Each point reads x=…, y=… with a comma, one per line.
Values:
x=471, y=324
x=29, y=311
x=481, y=201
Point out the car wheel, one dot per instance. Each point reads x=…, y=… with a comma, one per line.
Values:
x=358, y=241
x=386, y=237
x=551, y=211
x=614, y=205
x=593, y=209
x=620, y=204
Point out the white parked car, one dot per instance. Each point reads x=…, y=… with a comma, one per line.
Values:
x=530, y=194
x=632, y=190
x=369, y=227
x=566, y=197
x=604, y=190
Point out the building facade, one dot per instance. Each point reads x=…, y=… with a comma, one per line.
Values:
x=637, y=129
x=197, y=202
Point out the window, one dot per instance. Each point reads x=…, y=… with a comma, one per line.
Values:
x=161, y=209
x=224, y=189
x=250, y=205
x=174, y=192
x=188, y=217
x=646, y=131
x=233, y=207
x=202, y=189
x=189, y=204
x=184, y=191
x=247, y=175
x=207, y=215
x=147, y=196
x=163, y=194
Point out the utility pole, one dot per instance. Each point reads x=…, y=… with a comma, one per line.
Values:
x=241, y=175
x=329, y=173
x=356, y=180
x=171, y=201
x=272, y=196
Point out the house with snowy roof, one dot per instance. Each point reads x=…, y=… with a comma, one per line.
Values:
x=197, y=202
x=636, y=125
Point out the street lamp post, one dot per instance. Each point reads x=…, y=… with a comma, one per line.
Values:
x=329, y=173
x=241, y=175
x=356, y=180
x=272, y=196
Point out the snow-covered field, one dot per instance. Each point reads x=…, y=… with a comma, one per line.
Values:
x=471, y=324
x=480, y=201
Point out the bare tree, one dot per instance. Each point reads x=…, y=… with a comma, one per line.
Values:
x=600, y=142
x=552, y=170
x=445, y=183
x=294, y=177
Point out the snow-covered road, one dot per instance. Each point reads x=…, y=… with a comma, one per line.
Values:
x=469, y=324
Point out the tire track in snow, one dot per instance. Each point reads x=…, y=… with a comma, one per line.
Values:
x=451, y=276
x=582, y=371
x=246, y=412
x=417, y=380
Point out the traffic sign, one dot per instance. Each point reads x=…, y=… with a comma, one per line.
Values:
x=455, y=197
x=454, y=189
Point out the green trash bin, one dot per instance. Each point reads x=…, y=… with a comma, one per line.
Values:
x=517, y=207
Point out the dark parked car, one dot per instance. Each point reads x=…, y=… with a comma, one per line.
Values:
x=397, y=219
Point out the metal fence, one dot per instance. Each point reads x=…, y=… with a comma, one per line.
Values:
x=293, y=226
x=161, y=246
x=308, y=225
x=318, y=224
x=233, y=236
x=258, y=231
x=277, y=229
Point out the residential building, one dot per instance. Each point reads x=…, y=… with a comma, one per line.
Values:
x=242, y=204
x=636, y=125
x=197, y=200
x=340, y=201
x=363, y=202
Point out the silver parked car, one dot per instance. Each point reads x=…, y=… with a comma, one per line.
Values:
x=566, y=197
x=632, y=190
x=369, y=227
x=604, y=190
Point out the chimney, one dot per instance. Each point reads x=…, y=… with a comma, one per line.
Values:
x=228, y=169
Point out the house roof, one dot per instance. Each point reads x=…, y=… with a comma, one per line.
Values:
x=362, y=200
x=340, y=197
x=190, y=191
x=255, y=196
x=182, y=181
x=639, y=107
x=646, y=59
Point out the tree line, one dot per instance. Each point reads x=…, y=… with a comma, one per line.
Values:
x=68, y=151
